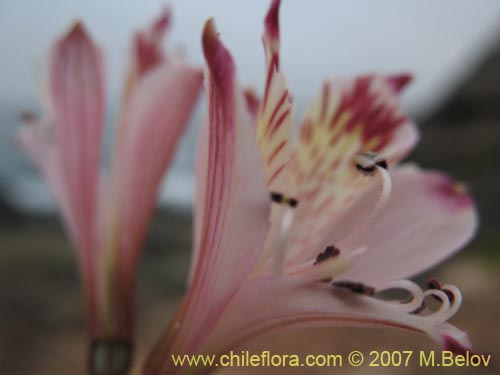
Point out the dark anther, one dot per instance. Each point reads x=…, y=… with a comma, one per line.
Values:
x=276, y=197
x=329, y=252
x=367, y=170
x=382, y=164
x=433, y=283
x=292, y=202
x=355, y=287
x=368, y=162
x=280, y=198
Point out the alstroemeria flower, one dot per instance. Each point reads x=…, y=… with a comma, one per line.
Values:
x=310, y=232
x=107, y=214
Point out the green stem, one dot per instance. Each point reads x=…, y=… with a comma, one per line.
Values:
x=110, y=356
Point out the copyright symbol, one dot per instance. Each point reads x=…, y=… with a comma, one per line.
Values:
x=355, y=358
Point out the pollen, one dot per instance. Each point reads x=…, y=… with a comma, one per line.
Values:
x=329, y=252
x=355, y=287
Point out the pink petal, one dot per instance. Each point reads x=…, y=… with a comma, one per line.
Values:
x=427, y=219
x=77, y=100
x=158, y=112
x=231, y=216
x=348, y=117
x=274, y=121
x=267, y=303
x=39, y=145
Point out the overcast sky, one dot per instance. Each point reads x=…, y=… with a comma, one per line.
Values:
x=439, y=41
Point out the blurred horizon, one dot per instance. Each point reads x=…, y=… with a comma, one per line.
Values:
x=362, y=37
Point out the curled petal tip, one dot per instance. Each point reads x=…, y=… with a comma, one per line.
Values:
x=271, y=21
x=400, y=81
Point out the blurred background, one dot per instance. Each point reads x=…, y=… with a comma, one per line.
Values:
x=452, y=47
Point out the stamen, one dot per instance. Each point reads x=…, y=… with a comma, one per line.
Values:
x=329, y=252
x=329, y=268
x=360, y=230
x=455, y=301
x=280, y=198
x=448, y=295
x=281, y=241
x=276, y=197
x=368, y=162
x=419, y=309
x=441, y=296
x=434, y=283
x=355, y=287
x=415, y=298
x=450, y=298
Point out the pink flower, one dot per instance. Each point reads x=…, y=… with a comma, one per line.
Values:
x=107, y=214
x=308, y=233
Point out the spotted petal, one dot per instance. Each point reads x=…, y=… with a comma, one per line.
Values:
x=274, y=122
x=347, y=118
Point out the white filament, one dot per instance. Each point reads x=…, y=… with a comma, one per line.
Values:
x=447, y=308
x=445, y=302
x=453, y=306
x=359, y=231
x=417, y=295
x=281, y=241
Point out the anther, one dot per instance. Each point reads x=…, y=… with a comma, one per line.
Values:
x=433, y=283
x=292, y=202
x=280, y=198
x=355, y=287
x=276, y=197
x=368, y=162
x=329, y=252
